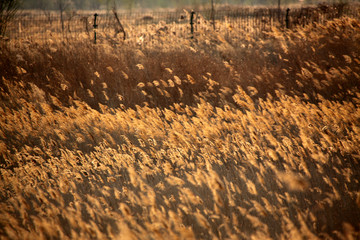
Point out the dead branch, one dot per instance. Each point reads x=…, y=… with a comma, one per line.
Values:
x=121, y=28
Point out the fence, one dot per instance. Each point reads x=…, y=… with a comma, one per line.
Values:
x=252, y=20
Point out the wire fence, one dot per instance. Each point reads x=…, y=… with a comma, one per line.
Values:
x=73, y=25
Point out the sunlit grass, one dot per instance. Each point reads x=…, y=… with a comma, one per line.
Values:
x=224, y=136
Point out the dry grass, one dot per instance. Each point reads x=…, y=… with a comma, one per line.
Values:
x=220, y=137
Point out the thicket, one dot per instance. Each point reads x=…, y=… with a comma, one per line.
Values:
x=316, y=60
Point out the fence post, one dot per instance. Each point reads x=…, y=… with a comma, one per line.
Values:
x=192, y=23
x=279, y=9
x=95, y=27
x=287, y=18
x=212, y=14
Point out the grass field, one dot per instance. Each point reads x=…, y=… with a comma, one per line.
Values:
x=224, y=136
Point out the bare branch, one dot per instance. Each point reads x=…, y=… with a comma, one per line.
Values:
x=120, y=25
x=8, y=9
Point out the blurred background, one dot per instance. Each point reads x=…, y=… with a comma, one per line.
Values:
x=143, y=4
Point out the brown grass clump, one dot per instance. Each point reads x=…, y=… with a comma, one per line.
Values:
x=223, y=136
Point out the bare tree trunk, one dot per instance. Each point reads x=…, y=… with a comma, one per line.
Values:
x=62, y=7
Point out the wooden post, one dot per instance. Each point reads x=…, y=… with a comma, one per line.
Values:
x=192, y=23
x=212, y=14
x=61, y=7
x=95, y=27
x=287, y=18
x=279, y=9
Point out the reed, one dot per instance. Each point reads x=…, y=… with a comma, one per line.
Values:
x=217, y=137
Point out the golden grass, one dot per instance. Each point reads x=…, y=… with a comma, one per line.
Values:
x=221, y=137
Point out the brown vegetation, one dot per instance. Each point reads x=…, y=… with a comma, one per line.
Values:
x=217, y=137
